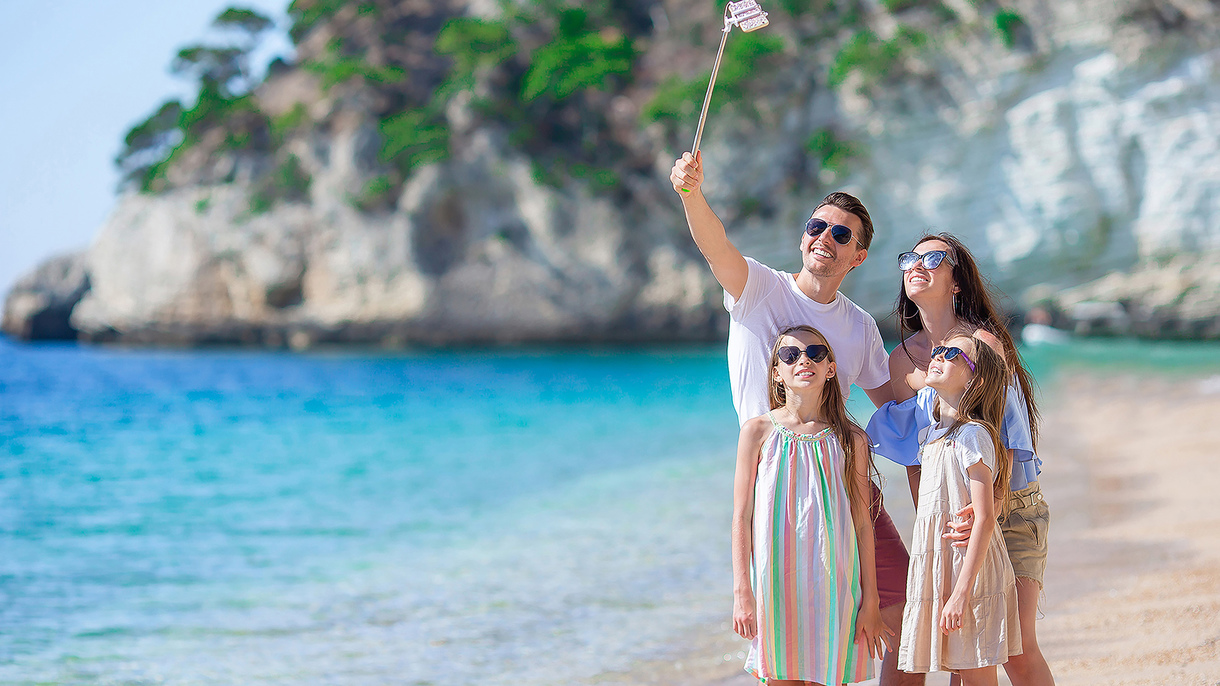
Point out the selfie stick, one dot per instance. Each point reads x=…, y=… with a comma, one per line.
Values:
x=746, y=15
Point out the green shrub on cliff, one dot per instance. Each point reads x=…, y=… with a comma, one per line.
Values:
x=378, y=194
x=336, y=67
x=549, y=71
x=577, y=58
x=1008, y=24
x=148, y=143
x=411, y=139
x=223, y=104
x=306, y=14
x=289, y=182
x=874, y=58
x=832, y=153
x=472, y=43
x=679, y=100
x=289, y=122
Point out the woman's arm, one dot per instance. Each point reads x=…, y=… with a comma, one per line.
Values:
x=982, y=496
x=749, y=448
x=900, y=367
x=870, y=629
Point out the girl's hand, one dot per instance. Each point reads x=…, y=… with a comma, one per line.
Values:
x=959, y=532
x=743, y=615
x=871, y=630
x=951, y=616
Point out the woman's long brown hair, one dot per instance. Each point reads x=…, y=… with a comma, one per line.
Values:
x=833, y=410
x=983, y=403
x=973, y=305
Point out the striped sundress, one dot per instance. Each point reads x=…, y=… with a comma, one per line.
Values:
x=806, y=570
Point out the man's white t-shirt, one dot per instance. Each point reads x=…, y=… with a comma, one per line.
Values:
x=772, y=301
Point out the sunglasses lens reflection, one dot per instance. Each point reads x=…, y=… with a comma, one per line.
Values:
x=790, y=354
x=931, y=259
x=841, y=234
x=949, y=353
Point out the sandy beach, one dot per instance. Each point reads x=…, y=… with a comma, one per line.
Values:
x=1132, y=592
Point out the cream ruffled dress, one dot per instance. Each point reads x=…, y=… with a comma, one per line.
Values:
x=991, y=630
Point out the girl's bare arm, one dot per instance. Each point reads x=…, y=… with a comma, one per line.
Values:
x=982, y=497
x=749, y=448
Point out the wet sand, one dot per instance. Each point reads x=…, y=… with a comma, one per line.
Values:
x=1132, y=596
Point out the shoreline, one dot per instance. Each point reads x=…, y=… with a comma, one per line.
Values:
x=1132, y=594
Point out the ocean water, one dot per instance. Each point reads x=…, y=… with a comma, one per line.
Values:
x=467, y=516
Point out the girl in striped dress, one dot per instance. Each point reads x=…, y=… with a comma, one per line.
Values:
x=804, y=582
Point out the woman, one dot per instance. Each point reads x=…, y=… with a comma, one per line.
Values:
x=942, y=289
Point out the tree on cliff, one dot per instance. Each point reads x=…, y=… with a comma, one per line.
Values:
x=224, y=102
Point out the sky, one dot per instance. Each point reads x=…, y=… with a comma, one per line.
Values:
x=75, y=75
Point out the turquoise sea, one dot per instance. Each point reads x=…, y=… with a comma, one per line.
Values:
x=464, y=516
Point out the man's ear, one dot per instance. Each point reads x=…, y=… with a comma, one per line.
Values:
x=859, y=258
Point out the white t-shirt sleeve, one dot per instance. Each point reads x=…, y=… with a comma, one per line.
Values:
x=974, y=445
x=760, y=280
x=876, y=368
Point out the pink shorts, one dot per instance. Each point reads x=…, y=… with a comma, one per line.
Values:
x=891, y=558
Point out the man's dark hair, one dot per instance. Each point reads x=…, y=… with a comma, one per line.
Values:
x=850, y=203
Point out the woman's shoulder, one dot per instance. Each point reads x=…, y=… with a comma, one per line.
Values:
x=900, y=357
x=915, y=345
x=993, y=341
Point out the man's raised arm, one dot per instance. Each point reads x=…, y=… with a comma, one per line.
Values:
x=728, y=266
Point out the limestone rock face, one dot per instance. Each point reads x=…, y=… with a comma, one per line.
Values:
x=1094, y=151
x=1088, y=146
x=39, y=305
x=475, y=250
x=1177, y=298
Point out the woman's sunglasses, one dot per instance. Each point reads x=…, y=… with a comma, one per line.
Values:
x=815, y=227
x=789, y=354
x=951, y=353
x=931, y=259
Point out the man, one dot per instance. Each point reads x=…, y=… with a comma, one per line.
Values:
x=761, y=301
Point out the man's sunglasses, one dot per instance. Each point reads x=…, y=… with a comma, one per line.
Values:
x=951, y=353
x=931, y=259
x=814, y=227
x=789, y=354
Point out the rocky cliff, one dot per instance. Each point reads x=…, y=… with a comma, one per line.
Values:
x=1061, y=140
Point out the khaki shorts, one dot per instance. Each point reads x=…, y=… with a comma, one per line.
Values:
x=1025, y=532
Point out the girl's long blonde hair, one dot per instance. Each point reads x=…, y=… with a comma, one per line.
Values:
x=983, y=403
x=833, y=410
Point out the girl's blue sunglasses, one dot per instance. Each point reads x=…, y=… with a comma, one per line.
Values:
x=951, y=353
x=789, y=354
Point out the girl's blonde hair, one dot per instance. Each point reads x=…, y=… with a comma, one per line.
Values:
x=833, y=410
x=983, y=403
